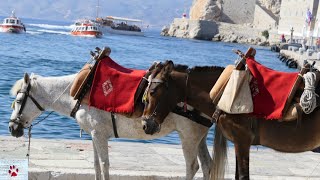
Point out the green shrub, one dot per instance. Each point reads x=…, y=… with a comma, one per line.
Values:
x=265, y=33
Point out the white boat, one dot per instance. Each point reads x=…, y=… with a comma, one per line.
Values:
x=12, y=24
x=120, y=25
x=86, y=28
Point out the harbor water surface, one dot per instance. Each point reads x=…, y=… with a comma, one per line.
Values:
x=47, y=49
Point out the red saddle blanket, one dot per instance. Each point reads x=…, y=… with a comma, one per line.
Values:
x=270, y=90
x=114, y=87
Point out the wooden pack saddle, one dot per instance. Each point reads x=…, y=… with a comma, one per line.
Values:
x=292, y=110
x=80, y=89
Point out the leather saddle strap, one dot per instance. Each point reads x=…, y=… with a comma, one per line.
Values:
x=216, y=115
x=114, y=125
x=193, y=115
x=81, y=96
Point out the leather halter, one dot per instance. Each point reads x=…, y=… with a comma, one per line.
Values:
x=24, y=100
x=145, y=98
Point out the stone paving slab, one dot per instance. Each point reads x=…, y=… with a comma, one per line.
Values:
x=73, y=160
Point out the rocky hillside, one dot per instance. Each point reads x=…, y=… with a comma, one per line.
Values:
x=214, y=9
x=205, y=10
x=272, y=5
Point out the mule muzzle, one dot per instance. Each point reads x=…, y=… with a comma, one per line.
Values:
x=16, y=129
x=150, y=126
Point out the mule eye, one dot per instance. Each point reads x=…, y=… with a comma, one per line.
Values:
x=152, y=92
x=18, y=101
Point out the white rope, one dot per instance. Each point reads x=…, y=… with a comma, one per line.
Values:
x=308, y=98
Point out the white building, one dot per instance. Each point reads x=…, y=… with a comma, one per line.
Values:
x=293, y=15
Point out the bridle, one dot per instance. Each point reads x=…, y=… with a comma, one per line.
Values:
x=145, y=96
x=24, y=100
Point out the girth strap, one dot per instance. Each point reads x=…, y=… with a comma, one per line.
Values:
x=114, y=125
x=193, y=115
x=75, y=109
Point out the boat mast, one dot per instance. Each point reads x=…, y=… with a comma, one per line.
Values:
x=98, y=6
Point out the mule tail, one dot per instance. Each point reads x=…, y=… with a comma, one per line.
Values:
x=219, y=155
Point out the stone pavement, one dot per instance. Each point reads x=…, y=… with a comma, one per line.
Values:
x=73, y=160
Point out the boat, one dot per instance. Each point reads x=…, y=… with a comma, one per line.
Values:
x=120, y=25
x=12, y=24
x=86, y=28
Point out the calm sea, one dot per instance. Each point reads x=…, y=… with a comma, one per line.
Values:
x=47, y=49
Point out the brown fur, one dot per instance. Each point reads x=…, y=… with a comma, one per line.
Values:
x=242, y=130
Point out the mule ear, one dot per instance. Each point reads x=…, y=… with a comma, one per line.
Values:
x=26, y=78
x=168, y=67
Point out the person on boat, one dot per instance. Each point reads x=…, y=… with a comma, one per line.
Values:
x=184, y=15
x=318, y=43
x=283, y=39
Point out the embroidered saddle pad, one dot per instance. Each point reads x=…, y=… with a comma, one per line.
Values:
x=270, y=90
x=114, y=87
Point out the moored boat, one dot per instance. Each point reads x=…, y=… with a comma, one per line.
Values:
x=120, y=25
x=86, y=28
x=12, y=24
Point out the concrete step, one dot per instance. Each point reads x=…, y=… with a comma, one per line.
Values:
x=73, y=159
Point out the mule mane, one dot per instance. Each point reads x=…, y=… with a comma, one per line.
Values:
x=18, y=84
x=184, y=68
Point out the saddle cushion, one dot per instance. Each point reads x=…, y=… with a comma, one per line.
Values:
x=79, y=79
x=270, y=90
x=114, y=87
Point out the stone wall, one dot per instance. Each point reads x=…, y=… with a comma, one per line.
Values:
x=238, y=11
x=263, y=20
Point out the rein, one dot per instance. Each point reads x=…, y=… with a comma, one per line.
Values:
x=17, y=120
x=29, y=133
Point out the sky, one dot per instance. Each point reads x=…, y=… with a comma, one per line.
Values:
x=152, y=12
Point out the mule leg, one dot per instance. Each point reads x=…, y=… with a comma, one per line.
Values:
x=96, y=162
x=205, y=158
x=237, y=170
x=242, y=154
x=190, y=151
x=101, y=143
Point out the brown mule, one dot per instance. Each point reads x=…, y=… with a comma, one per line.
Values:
x=169, y=87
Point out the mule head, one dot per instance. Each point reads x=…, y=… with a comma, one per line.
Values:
x=25, y=107
x=158, y=98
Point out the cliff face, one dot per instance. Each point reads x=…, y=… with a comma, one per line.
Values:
x=231, y=11
x=272, y=5
x=209, y=10
x=238, y=21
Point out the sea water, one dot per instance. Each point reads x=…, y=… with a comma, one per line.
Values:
x=48, y=49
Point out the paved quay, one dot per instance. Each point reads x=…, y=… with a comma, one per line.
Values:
x=73, y=160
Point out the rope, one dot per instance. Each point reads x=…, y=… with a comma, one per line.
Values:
x=29, y=134
x=308, y=98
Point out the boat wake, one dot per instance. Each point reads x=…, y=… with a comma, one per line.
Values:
x=54, y=32
x=49, y=29
x=49, y=26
